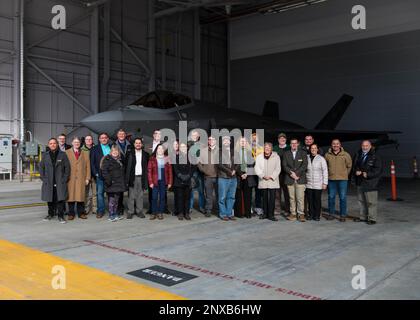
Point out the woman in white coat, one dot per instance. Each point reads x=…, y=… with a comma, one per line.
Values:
x=267, y=168
x=317, y=180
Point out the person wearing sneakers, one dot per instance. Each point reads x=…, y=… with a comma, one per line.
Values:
x=79, y=179
x=54, y=170
x=112, y=171
x=295, y=163
x=159, y=174
x=339, y=168
x=268, y=168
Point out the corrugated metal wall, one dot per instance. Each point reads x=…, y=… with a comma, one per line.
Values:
x=7, y=104
x=49, y=112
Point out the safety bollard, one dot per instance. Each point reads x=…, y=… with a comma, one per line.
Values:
x=394, y=196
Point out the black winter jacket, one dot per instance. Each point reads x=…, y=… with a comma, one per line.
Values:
x=182, y=173
x=113, y=174
x=372, y=166
x=130, y=168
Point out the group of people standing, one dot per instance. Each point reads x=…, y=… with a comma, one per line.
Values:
x=232, y=181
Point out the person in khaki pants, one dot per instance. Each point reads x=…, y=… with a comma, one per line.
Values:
x=295, y=163
x=90, y=199
x=366, y=174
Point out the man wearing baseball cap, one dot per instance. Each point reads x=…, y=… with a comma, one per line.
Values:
x=281, y=148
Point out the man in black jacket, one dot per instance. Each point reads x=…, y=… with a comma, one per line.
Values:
x=309, y=141
x=183, y=172
x=124, y=146
x=366, y=173
x=54, y=170
x=295, y=163
x=136, y=178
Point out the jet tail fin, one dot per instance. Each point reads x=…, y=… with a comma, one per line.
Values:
x=271, y=109
x=333, y=117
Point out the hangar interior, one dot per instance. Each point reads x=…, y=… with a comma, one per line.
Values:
x=236, y=53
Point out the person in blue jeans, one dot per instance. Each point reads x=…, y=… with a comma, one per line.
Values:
x=337, y=187
x=194, y=147
x=226, y=180
x=199, y=187
x=96, y=154
x=159, y=174
x=339, y=167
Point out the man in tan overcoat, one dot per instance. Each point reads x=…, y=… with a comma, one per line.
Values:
x=79, y=179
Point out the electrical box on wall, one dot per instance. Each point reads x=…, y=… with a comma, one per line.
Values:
x=5, y=153
x=31, y=148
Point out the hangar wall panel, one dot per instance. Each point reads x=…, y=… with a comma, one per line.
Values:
x=49, y=112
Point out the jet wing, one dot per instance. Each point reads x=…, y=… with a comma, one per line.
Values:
x=324, y=137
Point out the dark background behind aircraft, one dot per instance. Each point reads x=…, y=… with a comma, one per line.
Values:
x=383, y=75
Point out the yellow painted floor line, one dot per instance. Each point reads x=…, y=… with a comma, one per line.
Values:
x=27, y=273
x=25, y=205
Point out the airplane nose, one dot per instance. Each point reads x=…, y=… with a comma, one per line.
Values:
x=104, y=121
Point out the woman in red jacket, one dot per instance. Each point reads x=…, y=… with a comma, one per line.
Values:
x=159, y=174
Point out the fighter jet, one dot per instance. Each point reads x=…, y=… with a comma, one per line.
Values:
x=165, y=109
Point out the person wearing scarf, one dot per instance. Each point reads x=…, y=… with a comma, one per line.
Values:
x=54, y=170
x=159, y=174
x=246, y=179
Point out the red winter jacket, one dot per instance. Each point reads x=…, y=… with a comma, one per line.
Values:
x=152, y=171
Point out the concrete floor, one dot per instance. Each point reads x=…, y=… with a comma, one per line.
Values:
x=255, y=259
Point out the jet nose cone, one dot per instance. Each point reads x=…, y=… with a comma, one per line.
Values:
x=103, y=122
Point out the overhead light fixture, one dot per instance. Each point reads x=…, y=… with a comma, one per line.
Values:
x=95, y=3
x=282, y=8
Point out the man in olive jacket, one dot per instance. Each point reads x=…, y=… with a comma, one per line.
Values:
x=295, y=163
x=207, y=164
x=54, y=170
x=339, y=168
x=366, y=173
